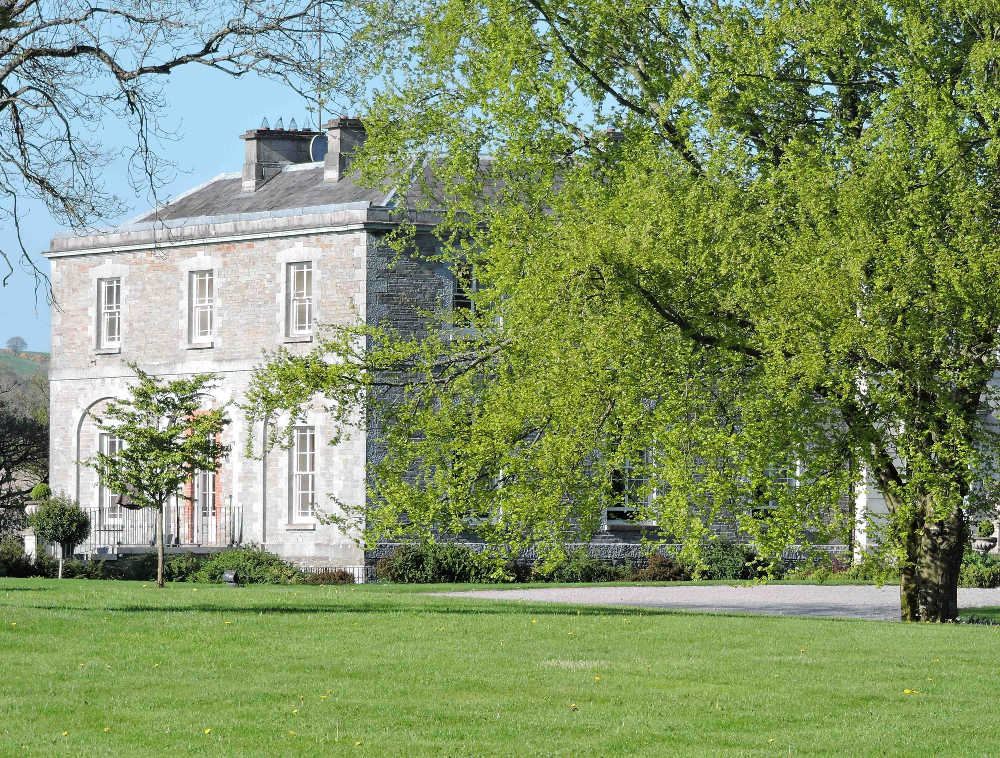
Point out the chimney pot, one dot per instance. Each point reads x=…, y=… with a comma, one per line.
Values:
x=344, y=136
x=268, y=151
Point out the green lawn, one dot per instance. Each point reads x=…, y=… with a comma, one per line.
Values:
x=115, y=668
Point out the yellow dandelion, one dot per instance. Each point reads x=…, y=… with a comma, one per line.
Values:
x=771, y=740
x=937, y=660
x=208, y=731
x=357, y=743
x=533, y=621
x=802, y=649
x=570, y=633
x=329, y=692
x=229, y=622
x=295, y=710
x=107, y=729
x=82, y=665
x=291, y=731
x=195, y=589
x=597, y=678
x=156, y=665
x=322, y=697
x=13, y=623
x=572, y=707
x=65, y=733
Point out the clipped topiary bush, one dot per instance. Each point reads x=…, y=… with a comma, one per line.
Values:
x=60, y=520
x=40, y=491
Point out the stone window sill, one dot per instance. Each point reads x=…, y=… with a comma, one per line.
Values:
x=108, y=350
x=199, y=345
x=300, y=527
x=298, y=338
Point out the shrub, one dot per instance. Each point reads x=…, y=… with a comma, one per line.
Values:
x=13, y=561
x=979, y=570
x=580, y=566
x=95, y=569
x=182, y=567
x=253, y=565
x=986, y=528
x=431, y=563
x=330, y=576
x=662, y=568
x=724, y=559
x=61, y=521
x=40, y=491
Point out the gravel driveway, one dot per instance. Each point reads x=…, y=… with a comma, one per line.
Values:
x=863, y=602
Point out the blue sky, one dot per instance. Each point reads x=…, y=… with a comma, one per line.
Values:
x=207, y=111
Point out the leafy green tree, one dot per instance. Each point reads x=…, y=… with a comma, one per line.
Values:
x=62, y=521
x=24, y=453
x=167, y=437
x=717, y=245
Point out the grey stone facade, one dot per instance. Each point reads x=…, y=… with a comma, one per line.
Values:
x=244, y=231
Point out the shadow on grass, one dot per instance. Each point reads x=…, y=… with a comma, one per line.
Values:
x=5, y=588
x=466, y=608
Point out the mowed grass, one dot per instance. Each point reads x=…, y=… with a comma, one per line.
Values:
x=117, y=668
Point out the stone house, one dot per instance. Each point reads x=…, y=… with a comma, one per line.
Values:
x=240, y=265
x=243, y=264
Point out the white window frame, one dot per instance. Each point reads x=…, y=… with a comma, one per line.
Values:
x=109, y=511
x=204, y=496
x=634, y=481
x=201, y=306
x=300, y=314
x=109, y=313
x=302, y=475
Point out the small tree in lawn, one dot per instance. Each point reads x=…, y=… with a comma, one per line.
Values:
x=60, y=520
x=166, y=439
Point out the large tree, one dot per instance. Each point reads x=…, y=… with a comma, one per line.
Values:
x=717, y=244
x=70, y=67
x=167, y=436
x=24, y=452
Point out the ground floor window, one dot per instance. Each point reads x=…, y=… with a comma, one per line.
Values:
x=110, y=511
x=303, y=473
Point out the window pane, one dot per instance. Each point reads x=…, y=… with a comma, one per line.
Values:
x=303, y=468
x=109, y=291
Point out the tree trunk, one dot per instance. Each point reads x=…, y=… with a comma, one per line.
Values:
x=928, y=581
x=159, y=546
x=61, y=556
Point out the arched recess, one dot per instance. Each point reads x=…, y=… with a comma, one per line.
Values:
x=86, y=445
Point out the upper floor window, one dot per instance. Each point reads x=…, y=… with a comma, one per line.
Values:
x=300, y=298
x=109, y=301
x=202, y=305
x=303, y=484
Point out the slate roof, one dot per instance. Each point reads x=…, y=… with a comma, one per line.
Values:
x=298, y=186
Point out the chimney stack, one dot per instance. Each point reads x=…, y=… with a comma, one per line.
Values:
x=343, y=137
x=270, y=150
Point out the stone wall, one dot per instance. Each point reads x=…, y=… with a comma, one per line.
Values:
x=250, y=284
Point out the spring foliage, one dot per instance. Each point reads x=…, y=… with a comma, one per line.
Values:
x=779, y=264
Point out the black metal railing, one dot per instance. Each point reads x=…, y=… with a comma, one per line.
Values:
x=184, y=526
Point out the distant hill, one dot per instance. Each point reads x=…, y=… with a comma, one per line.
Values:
x=24, y=365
